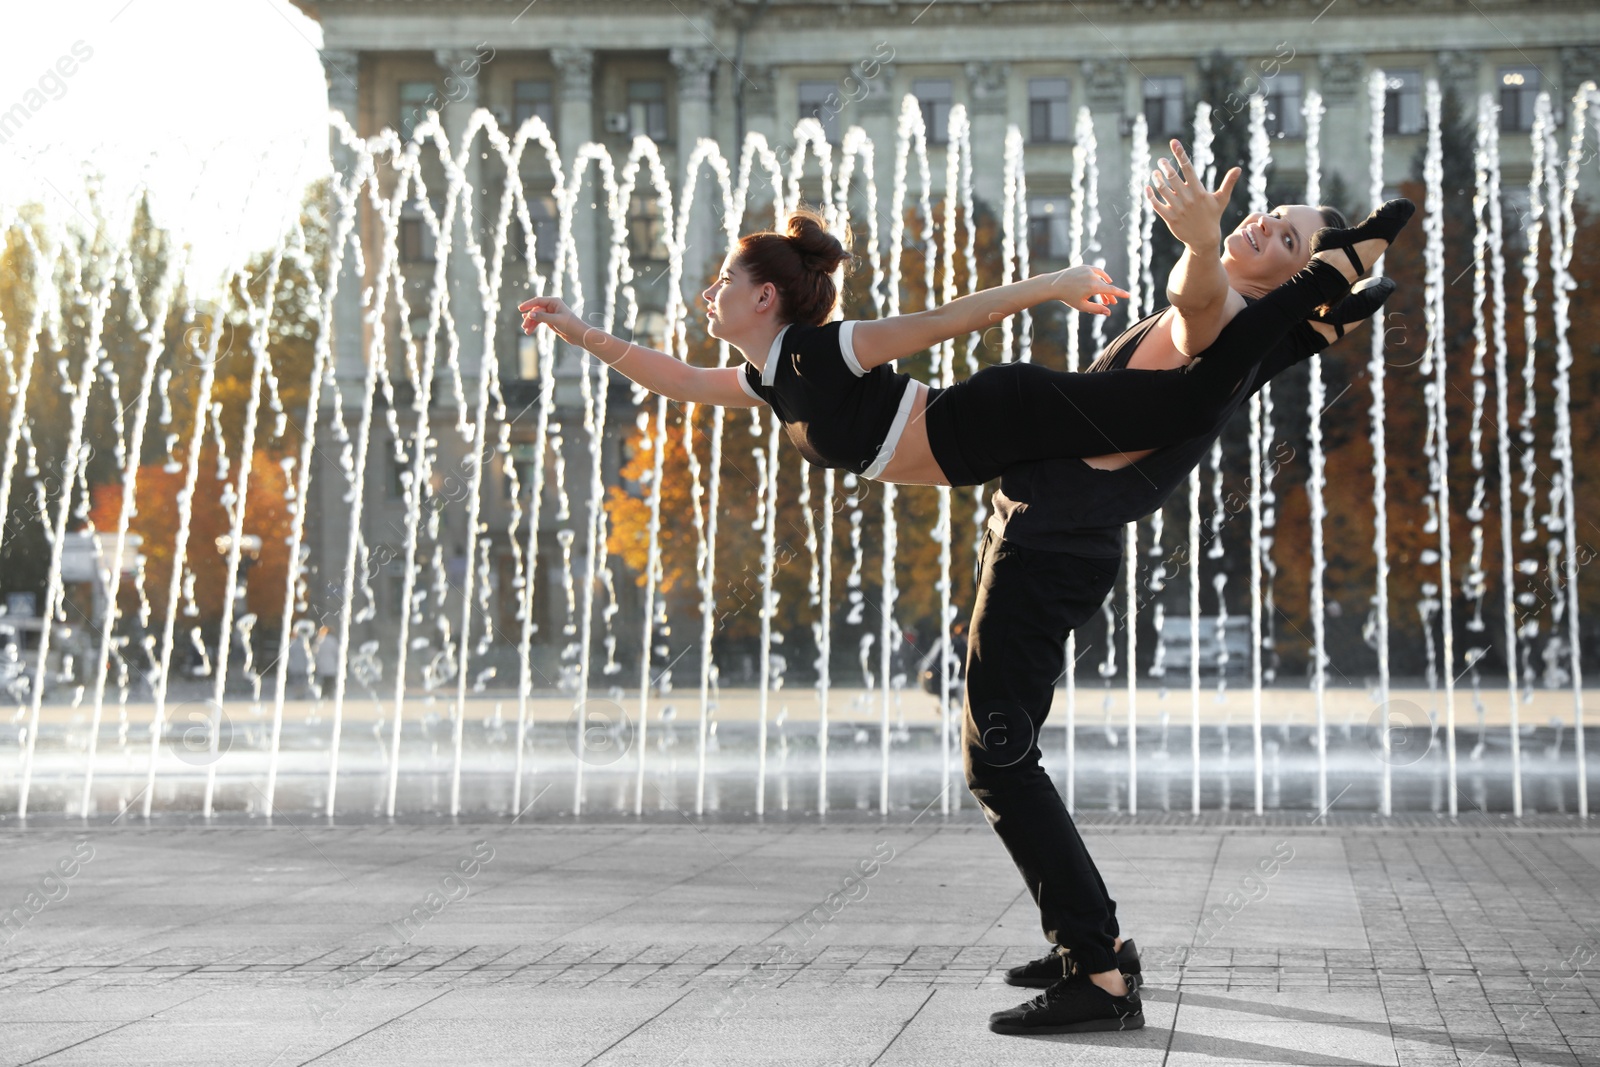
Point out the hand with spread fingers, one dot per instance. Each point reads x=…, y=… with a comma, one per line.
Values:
x=1191, y=211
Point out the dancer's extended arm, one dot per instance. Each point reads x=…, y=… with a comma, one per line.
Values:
x=656, y=371
x=881, y=340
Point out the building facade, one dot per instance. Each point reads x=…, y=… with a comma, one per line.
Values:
x=604, y=71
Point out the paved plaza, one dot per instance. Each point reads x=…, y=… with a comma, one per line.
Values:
x=1414, y=941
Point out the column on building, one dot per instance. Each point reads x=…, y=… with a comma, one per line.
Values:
x=342, y=68
x=878, y=114
x=461, y=69
x=327, y=529
x=761, y=116
x=575, y=128
x=759, y=86
x=1106, y=92
x=703, y=244
x=1345, y=122
x=1460, y=72
x=990, y=114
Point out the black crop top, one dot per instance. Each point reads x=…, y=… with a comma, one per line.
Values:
x=836, y=413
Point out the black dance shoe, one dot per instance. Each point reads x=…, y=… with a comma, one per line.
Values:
x=1055, y=965
x=1383, y=224
x=1365, y=298
x=1071, y=1006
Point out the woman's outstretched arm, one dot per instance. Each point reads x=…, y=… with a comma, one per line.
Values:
x=881, y=340
x=656, y=371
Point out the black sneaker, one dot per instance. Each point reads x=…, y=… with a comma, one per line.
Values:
x=1052, y=967
x=1071, y=1006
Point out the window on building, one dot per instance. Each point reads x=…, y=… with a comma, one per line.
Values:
x=546, y=231
x=647, y=109
x=934, y=95
x=522, y=462
x=1515, y=209
x=1402, y=102
x=532, y=97
x=416, y=240
x=398, y=475
x=1049, y=117
x=1048, y=219
x=821, y=101
x=1519, y=88
x=527, y=357
x=1164, y=112
x=647, y=229
x=415, y=100
x=650, y=329
x=1285, y=94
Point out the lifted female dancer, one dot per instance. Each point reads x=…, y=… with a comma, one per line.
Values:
x=830, y=384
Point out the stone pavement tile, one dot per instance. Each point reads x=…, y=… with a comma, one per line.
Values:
x=1433, y=1056
x=25, y=1041
x=1587, y=1049
x=1422, y=1035
x=244, y=1027
x=931, y=957
x=566, y=953
x=1292, y=1025
x=668, y=977
x=702, y=955
x=677, y=931
x=1474, y=1023
x=656, y=954
x=625, y=974
x=1573, y=1024
x=802, y=1027
x=581, y=974
x=1548, y=1051
x=985, y=957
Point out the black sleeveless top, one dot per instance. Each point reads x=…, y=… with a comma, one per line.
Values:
x=836, y=413
x=1065, y=505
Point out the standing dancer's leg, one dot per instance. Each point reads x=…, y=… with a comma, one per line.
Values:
x=1027, y=602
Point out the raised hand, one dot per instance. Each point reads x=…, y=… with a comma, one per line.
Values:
x=1192, y=212
x=1085, y=288
x=553, y=312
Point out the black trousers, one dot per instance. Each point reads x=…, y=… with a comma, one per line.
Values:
x=1027, y=602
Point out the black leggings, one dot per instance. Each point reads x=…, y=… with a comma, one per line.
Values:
x=1015, y=412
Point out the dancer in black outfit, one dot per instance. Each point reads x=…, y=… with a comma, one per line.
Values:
x=1049, y=558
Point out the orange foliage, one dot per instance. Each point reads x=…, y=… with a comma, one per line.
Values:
x=155, y=520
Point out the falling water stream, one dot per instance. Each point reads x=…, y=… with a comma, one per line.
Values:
x=430, y=402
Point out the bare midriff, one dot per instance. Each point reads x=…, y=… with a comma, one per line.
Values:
x=913, y=462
